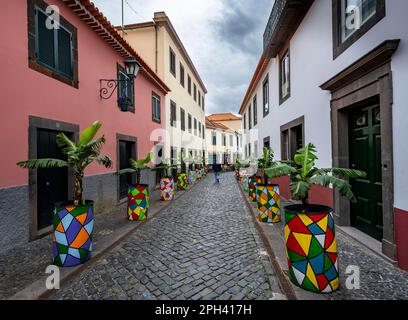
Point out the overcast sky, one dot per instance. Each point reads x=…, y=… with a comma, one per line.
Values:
x=222, y=37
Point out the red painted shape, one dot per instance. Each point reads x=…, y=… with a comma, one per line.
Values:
x=401, y=237
x=332, y=257
x=322, y=281
x=329, y=238
x=296, y=225
x=317, y=217
x=293, y=245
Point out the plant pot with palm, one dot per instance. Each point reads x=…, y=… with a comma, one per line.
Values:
x=182, y=181
x=137, y=194
x=267, y=194
x=166, y=181
x=310, y=230
x=74, y=220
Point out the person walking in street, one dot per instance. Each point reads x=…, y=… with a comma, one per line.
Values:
x=217, y=172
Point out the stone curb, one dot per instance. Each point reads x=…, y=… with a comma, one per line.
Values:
x=283, y=281
x=38, y=291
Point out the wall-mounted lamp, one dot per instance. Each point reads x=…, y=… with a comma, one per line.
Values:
x=109, y=86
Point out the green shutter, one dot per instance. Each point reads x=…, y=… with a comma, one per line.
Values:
x=45, y=42
x=65, y=53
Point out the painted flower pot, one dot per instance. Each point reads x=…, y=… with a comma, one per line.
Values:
x=311, y=248
x=138, y=202
x=72, y=236
x=269, y=203
x=198, y=174
x=191, y=177
x=252, y=184
x=245, y=182
x=166, y=189
x=182, y=182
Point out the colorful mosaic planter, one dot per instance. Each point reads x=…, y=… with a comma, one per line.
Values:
x=166, y=189
x=182, y=182
x=252, y=184
x=192, y=177
x=269, y=203
x=198, y=174
x=245, y=182
x=72, y=237
x=138, y=202
x=311, y=248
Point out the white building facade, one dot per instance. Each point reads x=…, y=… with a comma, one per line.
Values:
x=335, y=74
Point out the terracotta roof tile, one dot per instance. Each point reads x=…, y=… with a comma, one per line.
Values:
x=224, y=117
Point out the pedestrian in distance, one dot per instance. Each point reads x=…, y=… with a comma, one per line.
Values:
x=217, y=172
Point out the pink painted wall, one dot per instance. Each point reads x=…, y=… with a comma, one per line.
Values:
x=27, y=92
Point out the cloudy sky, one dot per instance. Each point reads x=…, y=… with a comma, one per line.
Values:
x=222, y=37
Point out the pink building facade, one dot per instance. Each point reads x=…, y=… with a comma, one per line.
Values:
x=44, y=91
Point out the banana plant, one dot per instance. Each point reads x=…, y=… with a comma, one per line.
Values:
x=137, y=166
x=304, y=174
x=79, y=156
x=164, y=168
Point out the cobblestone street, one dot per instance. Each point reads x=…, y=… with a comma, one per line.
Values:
x=204, y=246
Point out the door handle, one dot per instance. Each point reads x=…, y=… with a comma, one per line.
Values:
x=47, y=184
x=353, y=165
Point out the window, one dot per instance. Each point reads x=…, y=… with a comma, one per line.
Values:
x=265, y=94
x=203, y=132
x=174, y=161
x=256, y=148
x=195, y=92
x=352, y=19
x=190, y=124
x=199, y=98
x=245, y=121
x=183, y=119
x=214, y=138
x=250, y=117
x=125, y=89
x=172, y=62
x=284, y=78
x=52, y=52
x=199, y=129
x=195, y=126
x=202, y=102
x=249, y=150
x=267, y=142
x=292, y=138
x=224, y=140
x=231, y=139
x=189, y=84
x=156, y=112
x=181, y=75
x=173, y=114
x=255, y=111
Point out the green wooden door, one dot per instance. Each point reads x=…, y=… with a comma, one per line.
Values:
x=365, y=154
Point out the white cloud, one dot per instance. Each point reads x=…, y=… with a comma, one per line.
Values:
x=222, y=37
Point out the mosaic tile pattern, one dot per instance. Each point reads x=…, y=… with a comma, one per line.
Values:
x=138, y=202
x=72, y=237
x=167, y=189
x=182, y=182
x=253, y=182
x=312, y=251
x=269, y=203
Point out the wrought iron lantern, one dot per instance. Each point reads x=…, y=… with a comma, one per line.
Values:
x=109, y=86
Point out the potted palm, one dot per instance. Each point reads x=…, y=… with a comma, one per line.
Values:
x=138, y=194
x=182, y=182
x=267, y=193
x=166, y=181
x=74, y=220
x=309, y=230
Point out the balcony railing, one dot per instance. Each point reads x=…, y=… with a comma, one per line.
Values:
x=284, y=19
x=276, y=13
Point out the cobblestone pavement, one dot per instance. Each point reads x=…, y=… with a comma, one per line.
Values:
x=26, y=262
x=379, y=279
x=204, y=246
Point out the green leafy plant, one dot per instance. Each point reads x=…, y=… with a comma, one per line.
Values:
x=165, y=168
x=304, y=175
x=267, y=159
x=137, y=166
x=79, y=156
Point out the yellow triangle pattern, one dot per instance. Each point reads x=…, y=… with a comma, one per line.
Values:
x=305, y=219
x=311, y=275
x=333, y=247
x=304, y=241
x=287, y=232
x=323, y=223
